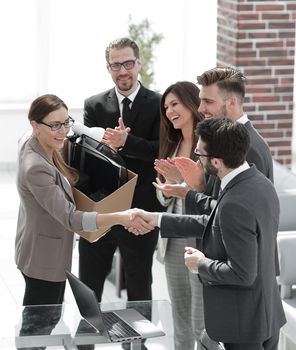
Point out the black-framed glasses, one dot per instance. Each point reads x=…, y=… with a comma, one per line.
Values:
x=128, y=65
x=57, y=125
x=198, y=155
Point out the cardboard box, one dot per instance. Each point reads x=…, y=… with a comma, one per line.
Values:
x=119, y=200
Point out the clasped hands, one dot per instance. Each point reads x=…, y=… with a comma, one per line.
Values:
x=139, y=221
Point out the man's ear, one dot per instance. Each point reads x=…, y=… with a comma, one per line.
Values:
x=232, y=102
x=140, y=64
x=217, y=162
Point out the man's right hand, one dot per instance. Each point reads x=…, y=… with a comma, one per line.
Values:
x=151, y=220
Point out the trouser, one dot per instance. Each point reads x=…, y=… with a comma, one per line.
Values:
x=95, y=261
x=43, y=317
x=185, y=292
x=40, y=292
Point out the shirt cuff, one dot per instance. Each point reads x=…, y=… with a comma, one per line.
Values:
x=159, y=219
x=89, y=221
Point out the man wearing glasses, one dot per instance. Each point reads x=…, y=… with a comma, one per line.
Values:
x=236, y=262
x=130, y=114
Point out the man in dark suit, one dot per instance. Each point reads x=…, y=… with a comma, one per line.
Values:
x=135, y=135
x=242, y=305
x=221, y=95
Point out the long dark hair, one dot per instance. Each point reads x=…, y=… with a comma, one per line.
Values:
x=40, y=108
x=188, y=95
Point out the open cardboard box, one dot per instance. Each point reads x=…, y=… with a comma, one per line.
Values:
x=121, y=199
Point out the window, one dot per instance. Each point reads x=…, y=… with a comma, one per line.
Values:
x=57, y=46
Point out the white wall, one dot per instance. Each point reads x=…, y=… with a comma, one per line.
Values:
x=58, y=47
x=15, y=123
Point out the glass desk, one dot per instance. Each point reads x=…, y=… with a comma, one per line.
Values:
x=61, y=327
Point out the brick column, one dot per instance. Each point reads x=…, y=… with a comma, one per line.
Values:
x=258, y=37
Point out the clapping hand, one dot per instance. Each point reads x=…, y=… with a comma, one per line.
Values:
x=168, y=169
x=192, y=172
x=171, y=190
x=116, y=137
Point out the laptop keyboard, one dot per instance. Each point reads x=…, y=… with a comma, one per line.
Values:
x=117, y=328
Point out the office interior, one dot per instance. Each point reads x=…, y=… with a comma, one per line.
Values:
x=49, y=51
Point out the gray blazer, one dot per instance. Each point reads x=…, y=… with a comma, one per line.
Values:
x=240, y=291
x=47, y=216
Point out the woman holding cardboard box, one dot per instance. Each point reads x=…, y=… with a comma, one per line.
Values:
x=47, y=215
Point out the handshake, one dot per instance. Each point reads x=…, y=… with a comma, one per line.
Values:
x=138, y=221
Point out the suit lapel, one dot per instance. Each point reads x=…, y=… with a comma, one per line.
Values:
x=63, y=182
x=113, y=109
x=245, y=174
x=66, y=186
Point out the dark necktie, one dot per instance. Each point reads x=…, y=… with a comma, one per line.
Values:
x=126, y=109
x=220, y=191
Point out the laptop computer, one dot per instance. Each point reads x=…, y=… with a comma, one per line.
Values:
x=116, y=325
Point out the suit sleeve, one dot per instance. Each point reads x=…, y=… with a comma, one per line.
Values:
x=177, y=226
x=198, y=203
x=89, y=116
x=140, y=148
x=237, y=227
x=203, y=203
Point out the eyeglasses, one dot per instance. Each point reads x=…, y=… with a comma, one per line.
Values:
x=57, y=125
x=128, y=65
x=198, y=155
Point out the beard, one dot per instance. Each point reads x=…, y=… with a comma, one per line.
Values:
x=124, y=85
x=222, y=113
x=210, y=169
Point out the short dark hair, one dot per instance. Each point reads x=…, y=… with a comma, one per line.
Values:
x=226, y=139
x=121, y=43
x=229, y=80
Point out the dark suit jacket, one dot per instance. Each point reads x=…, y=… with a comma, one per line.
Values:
x=141, y=147
x=241, y=297
x=258, y=154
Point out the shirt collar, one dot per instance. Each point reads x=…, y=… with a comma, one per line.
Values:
x=227, y=178
x=243, y=119
x=132, y=96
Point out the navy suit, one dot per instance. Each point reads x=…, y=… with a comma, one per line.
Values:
x=139, y=153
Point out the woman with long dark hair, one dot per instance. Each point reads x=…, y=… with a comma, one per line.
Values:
x=179, y=117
